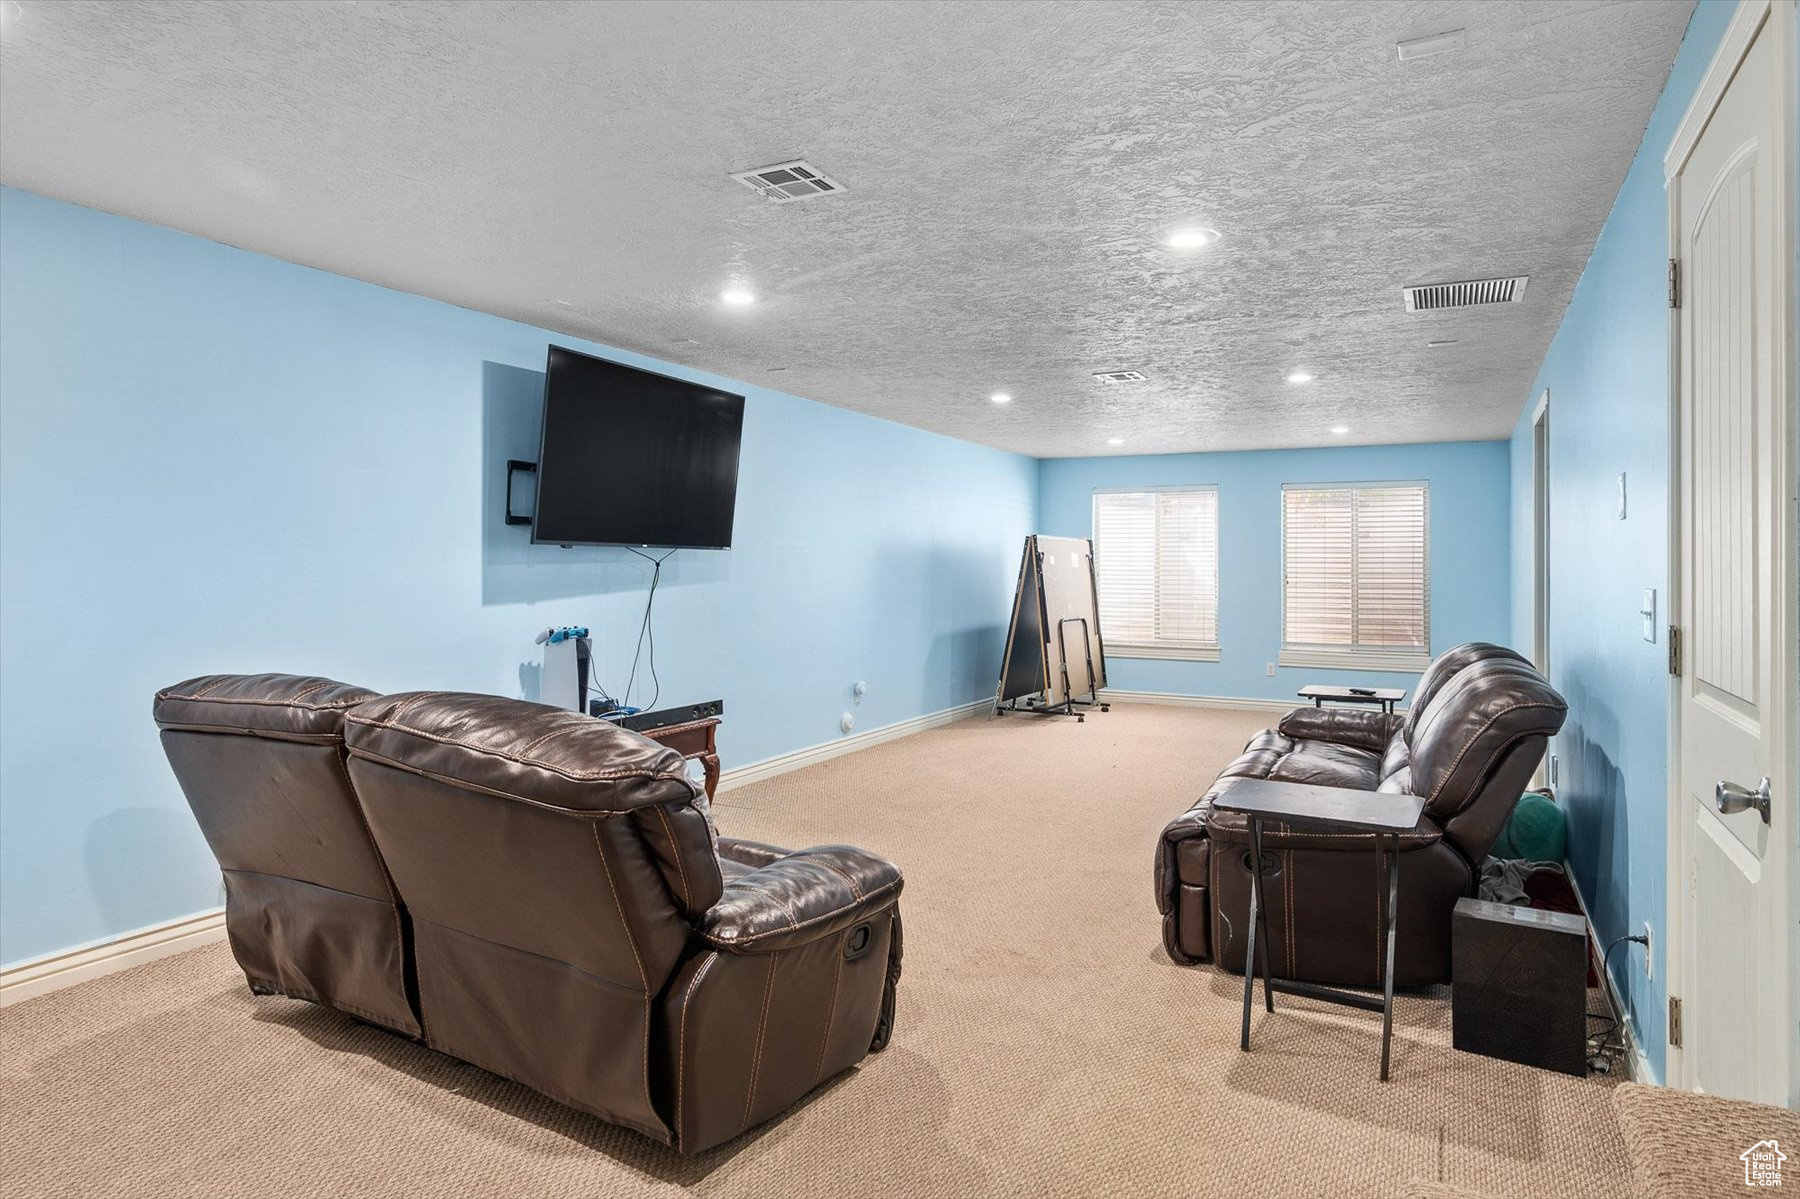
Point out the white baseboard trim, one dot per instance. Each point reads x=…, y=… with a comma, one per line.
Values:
x=1638, y=1064
x=1113, y=696
x=812, y=755
x=53, y=972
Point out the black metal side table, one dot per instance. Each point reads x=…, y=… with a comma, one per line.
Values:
x=1385, y=814
x=1382, y=697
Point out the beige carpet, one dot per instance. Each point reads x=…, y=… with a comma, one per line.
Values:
x=1045, y=1044
x=1687, y=1146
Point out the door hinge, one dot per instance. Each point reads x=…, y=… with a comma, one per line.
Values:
x=1674, y=283
x=1675, y=1021
x=1675, y=650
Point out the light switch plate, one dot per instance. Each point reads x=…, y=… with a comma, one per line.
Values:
x=1648, y=612
x=1621, y=495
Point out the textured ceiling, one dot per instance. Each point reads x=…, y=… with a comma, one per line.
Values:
x=1010, y=167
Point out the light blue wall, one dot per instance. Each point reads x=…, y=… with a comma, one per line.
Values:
x=1607, y=373
x=214, y=461
x=1470, y=564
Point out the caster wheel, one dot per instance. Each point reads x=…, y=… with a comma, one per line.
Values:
x=1106, y=707
x=1081, y=720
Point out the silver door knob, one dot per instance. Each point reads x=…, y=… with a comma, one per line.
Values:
x=1732, y=798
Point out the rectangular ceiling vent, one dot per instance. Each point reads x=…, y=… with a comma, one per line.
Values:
x=786, y=182
x=1430, y=297
x=1121, y=377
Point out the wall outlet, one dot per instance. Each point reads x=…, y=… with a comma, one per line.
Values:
x=847, y=722
x=1649, y=952
x=1648, y=611
x=1271, y=670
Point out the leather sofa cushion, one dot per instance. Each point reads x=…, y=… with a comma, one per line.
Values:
x=750, y=854
x=1326, y=765
x=1445, y=667
x=1473, y=720
x=797, y=899
x=1358, y=727
x=281, y=706
x=1193, y=925
x=1192, y=857
x=738, y=857
x=530, y=752
x=1271, y=755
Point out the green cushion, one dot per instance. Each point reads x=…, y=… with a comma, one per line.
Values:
x=1536, y=831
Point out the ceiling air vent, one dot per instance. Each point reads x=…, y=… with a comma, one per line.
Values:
x=1430, y=297
x=786, y=182
x=1121, y=377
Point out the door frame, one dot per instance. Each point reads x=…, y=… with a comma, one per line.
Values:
x=1540, y=561
x=1540, y=534
x=1750, y=18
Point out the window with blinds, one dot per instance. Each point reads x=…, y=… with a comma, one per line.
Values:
x=1156, y=555
x=1355, y=583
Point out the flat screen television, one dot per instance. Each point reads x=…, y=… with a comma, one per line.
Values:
x=631, y=457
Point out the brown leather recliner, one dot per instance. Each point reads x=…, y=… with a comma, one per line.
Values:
x=309, y=908
x=579, y=928
x=572, y=920
x=1480, y=719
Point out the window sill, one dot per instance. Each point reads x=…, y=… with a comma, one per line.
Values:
x=1325, y=659
x=1173, y=653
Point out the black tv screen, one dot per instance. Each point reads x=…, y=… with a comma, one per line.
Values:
x=630, y=457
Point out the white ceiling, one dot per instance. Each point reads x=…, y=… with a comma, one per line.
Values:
x=1009, y=165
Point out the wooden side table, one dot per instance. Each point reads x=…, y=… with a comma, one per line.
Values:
x=694, y=739
x=1385, y=814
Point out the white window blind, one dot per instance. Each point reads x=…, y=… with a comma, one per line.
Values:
x=1157, y=559
x=1355, y=577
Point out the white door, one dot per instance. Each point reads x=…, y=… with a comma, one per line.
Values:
x=1730, y=712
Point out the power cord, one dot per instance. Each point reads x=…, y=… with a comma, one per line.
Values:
x=1602, y=1047
x=647, y=629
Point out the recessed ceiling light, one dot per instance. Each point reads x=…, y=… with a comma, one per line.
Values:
x=1437, y=43
x=738, y=296
x=1000, y=397
x=1340, y=430
x=1193, y=237
x=1300, y=377
x=1115, y=441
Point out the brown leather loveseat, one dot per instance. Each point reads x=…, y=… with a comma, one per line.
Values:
x=1476, y=731
x=536, y=892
